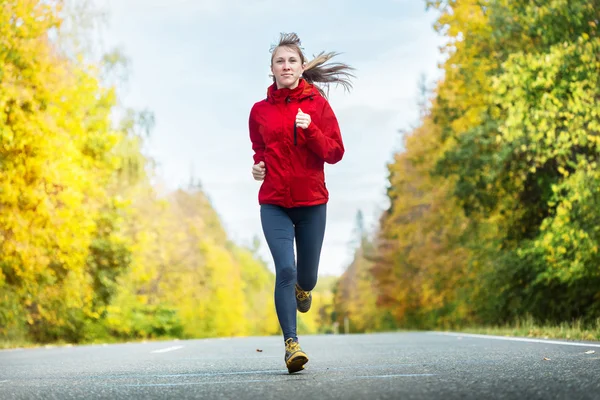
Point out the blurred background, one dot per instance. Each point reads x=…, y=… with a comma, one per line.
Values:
x=468, y=197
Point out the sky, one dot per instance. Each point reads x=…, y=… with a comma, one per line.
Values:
x=200, y=65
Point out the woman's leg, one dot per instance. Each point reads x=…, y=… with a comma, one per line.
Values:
x=278, y=229
x=310, y=231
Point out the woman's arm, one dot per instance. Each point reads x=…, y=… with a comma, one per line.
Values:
x=258, y=145
x=325, y=140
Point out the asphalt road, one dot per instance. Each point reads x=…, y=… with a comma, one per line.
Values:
x=378, y=366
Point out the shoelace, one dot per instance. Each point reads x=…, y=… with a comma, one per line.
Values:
x=302, y=295
x=291, y=346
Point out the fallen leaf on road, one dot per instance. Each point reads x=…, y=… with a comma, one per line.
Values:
x=259, y=350
x=590, y=352
x=546, y=359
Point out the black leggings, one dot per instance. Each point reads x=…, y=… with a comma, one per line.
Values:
x=280, y=226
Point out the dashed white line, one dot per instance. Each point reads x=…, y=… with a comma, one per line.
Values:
x=198, y=383
x=167, y=349
x=392, y=376
x=264, y=380
x=516, y=339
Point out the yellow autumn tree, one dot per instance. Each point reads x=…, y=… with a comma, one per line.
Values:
x=90, y=250
x=56, y=160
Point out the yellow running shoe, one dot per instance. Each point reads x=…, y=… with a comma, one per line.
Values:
x=295, y=358
x=303, y=299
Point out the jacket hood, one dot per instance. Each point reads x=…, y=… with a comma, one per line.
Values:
x=303, y=90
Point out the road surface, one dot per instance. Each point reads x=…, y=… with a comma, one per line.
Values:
x=420, y=365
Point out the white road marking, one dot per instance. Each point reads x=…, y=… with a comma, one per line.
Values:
x=199, y=383
x=516, y=339
x=167, y=349
x=392, y=375
x=245, y=381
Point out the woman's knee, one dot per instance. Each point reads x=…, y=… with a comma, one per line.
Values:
x=286, y=275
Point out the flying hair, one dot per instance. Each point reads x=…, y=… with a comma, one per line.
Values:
x=317, y=71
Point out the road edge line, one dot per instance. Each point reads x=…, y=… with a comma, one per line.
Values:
x=515, y=339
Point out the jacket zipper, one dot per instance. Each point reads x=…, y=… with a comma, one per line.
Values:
x=287, y=100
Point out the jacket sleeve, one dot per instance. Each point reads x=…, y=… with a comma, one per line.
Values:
x=325, y=140
x=258, y=145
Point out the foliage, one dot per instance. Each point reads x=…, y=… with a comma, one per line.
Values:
x=494, y=202
x=90, y=250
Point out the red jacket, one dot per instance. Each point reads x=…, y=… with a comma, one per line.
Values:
x=294, y=157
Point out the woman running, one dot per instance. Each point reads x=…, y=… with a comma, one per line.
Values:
x=294, y=132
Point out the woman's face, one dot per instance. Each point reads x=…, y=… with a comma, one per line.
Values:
x=286, y=67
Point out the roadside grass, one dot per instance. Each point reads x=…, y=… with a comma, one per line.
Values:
x=527, y=327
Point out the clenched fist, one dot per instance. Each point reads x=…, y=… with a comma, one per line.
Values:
x=259, y=171
x=302, y=120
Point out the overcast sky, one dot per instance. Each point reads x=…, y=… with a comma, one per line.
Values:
x=200, y=65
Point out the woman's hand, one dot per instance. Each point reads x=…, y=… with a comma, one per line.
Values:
x=259, y=171
x=302, y=120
